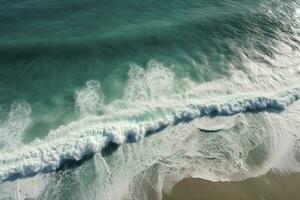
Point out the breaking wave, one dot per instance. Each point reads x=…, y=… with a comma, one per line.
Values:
x=155, y=98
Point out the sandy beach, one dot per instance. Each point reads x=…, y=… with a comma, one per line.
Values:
x=269, y=186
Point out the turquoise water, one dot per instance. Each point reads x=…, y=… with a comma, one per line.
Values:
x=106, y=99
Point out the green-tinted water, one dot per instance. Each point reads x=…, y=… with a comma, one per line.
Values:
x=118, y=71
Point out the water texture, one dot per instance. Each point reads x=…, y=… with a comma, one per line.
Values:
x=121, y=100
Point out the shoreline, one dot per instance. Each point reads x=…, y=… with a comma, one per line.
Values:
x=268, y=186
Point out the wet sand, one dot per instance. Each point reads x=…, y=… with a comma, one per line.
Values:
x=269, y=186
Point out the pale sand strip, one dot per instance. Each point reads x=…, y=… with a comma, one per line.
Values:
x=269, y=186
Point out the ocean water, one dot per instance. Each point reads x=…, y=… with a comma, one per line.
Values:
x=118, y=99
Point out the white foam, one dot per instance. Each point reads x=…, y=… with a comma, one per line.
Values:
x=153, y=83
x=48, y=155
x=88, y=100
x=15, y=123
x=183, y=151
x=24, y=189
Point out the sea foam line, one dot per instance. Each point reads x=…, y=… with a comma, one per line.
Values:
x=49, y=155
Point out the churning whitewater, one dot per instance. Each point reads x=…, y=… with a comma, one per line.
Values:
x=120, y=123
x=41, y=156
